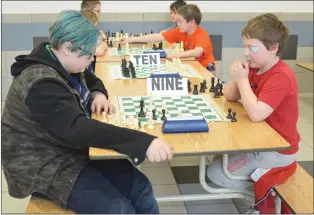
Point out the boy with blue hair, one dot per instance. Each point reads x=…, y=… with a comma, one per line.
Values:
x=47, y=130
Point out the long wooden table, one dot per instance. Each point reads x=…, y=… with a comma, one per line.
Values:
x=108, y=58
x=306, y=65
x=222, y=138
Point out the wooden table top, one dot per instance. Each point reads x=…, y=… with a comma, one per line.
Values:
x=223, y=137
x=306, y=65
x=108, y=58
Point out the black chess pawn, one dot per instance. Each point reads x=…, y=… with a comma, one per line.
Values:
x=163, y=117
x=133, y=73
x=121, y=32
x=151, y=32
x=195, y=90
x=220, y=89
x=218, y=83
x=229, y=113
x=160, y=46
x=110, y=44
x=145, y=33
x=154, y=114
x=125, y=72
x=234, y=117
x=212, y=88
x=205, y=84
x=216, y=93
x=202, y=89
x=119, y=47
x=189, y=86
x=154, y=47
x=142, y=113
x=131, y=65
x=108, y=34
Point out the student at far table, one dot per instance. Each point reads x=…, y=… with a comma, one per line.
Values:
x=174, y=7
x=196, y=40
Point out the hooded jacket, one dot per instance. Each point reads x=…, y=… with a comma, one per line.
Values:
x=47, y=128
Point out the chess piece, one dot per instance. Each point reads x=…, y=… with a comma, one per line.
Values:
x=154, y=47
x=151, y=32
x=195, y=91
x=119, y=47
x=189, y=86
x=142, y=113
x=218, y=83
x=110, y=44
x=163, y=117
x=154, y=114
x=234, y=117
x=145, y=33
x=229, y=113
x=212, y=88
x=202, y=89
x=160, y=46
x=133, y=73
x=205, y=84
x=216, y=93
x=220, y=89
x=150, y=124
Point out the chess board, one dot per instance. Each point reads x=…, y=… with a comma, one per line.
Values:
x=144, y=71
x=132, y=51
x=176, y=107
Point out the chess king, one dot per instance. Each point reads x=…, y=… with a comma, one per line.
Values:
x=55, y=130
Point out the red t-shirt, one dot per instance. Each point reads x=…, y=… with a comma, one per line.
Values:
x=199, y=38
x=278, y=88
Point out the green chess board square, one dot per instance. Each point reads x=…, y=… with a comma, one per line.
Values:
x=170, y=103
x=166, y=98
x=189, y=102
x=202, y=105
x=185, y=111
x=130, y=110
x=193, y=108
x=211, y=117
x=206, y=110
x=176, y=100
x=128, y=104
x=181, y=105
x=127, y=99
x=174, y=115
x=197, y=114
x=172, y=108
x=197, y=99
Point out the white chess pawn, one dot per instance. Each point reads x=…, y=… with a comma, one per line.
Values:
x=150, y=124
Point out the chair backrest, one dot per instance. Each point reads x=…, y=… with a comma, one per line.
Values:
x=38, y=40
x=217, y=46
x=290, y=52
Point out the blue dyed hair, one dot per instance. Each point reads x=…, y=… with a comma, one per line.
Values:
x=72, y=27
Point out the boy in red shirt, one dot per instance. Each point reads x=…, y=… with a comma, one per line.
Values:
x=268, y=90
x=196, y=40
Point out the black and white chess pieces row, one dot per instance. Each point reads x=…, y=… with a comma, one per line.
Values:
x=121, y=32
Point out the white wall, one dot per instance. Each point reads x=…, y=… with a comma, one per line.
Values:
x=22, y=7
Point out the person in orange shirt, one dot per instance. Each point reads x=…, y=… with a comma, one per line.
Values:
x=196, y=40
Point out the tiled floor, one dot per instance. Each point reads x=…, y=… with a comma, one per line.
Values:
x=181, y=175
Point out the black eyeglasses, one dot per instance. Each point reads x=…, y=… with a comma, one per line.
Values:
x=90, y=54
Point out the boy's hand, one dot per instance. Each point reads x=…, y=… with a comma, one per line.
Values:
x=100, y=102
x=124, y=41
x=159, y=151
x=239, y=70
x=173, y=55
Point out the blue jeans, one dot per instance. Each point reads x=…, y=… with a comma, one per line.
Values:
x=112, y=186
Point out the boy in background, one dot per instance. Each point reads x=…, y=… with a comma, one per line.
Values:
x=196, y=40
x=102, y=45
x=174, y=7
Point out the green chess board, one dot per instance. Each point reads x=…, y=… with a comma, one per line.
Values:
x=144, y=71
x=176, y=107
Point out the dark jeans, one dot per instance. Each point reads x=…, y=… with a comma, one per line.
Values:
x=112, y=186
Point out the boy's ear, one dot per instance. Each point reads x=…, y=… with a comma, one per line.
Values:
x=274, y=48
